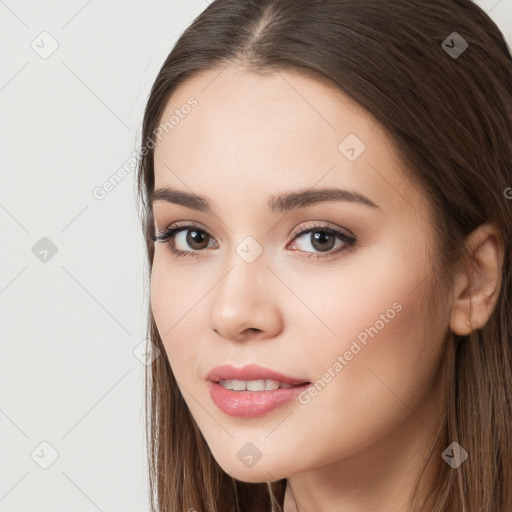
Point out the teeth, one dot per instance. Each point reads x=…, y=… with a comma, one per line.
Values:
x=238, y=385
x=254, y=385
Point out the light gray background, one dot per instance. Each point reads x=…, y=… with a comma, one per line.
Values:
x=70, y=325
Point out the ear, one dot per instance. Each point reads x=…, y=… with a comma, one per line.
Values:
x=477, y=285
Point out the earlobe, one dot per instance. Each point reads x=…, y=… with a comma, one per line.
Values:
x=477, y=286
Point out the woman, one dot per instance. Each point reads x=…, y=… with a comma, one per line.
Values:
x=325, y=190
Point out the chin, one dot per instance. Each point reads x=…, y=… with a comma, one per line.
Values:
x=251, y=477
x=259, y=473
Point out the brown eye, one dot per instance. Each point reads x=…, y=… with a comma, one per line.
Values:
x=322, y=239
x=195, y=238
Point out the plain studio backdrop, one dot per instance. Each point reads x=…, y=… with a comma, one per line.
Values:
x=74, y=79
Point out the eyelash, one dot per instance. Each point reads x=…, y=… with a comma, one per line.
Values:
x=169, y=234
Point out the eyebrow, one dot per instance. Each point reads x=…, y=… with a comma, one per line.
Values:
x=276, y=203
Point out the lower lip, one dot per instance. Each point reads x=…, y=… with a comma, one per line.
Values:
x=251, y=404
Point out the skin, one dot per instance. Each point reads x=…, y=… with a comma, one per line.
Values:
x=360, y=443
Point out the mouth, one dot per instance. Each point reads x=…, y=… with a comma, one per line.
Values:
x=256, y=385
x=253, y=390
x=252, y=378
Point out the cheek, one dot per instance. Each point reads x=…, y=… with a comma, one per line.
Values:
x=386, y=333
x=383, y=360
x=375, y=307
x=173, y=291
x=374, y=311
x=170, y=300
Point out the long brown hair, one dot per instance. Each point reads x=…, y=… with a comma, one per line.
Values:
x=449, y=116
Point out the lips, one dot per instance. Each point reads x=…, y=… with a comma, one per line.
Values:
x=250, y=373
x=251, y=404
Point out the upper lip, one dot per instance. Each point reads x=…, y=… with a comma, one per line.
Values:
x=250, y=372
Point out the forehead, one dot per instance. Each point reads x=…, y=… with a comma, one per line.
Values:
x=277, y=132
x=271, y=112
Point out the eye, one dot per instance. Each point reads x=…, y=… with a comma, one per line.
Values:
x=186, y=235
x=324, y=239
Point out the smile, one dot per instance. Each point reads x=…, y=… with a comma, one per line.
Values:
x=254, y=385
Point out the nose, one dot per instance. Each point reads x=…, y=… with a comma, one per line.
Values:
x=244, y=304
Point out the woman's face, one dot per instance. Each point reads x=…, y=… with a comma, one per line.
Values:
x=268, y=284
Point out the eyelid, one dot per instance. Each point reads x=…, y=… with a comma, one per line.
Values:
x=181, y=224
x=325, y=225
